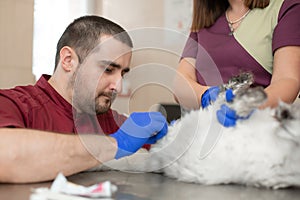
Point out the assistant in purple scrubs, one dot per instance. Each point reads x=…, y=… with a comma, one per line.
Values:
x=262, y=38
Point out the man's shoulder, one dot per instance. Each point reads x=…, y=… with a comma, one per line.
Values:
x=18, y=91
x=22, y=94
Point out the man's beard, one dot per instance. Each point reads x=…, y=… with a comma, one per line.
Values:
x=103, y=105
x=97, y=105
x=85, y=104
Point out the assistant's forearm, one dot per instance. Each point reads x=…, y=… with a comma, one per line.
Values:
x=285, y=90
x=31, y=155
x=187, y=92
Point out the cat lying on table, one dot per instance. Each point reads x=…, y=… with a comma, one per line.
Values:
x=262, y=151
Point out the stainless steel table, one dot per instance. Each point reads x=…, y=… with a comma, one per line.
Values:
x=146, y=186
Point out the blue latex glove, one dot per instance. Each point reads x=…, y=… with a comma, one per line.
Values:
x=227, y=116
x=229, y=96
x=209, y=96
x=139, y=129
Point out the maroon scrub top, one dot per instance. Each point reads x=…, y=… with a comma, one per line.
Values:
x=41, y=107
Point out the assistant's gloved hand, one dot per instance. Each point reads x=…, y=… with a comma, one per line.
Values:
x=209, y=96
x=139, y=129
x=228, y=116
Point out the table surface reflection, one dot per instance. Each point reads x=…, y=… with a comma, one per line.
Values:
x=146, y=186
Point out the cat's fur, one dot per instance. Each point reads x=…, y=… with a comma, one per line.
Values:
x=263, y=150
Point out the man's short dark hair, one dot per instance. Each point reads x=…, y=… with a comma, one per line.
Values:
x=84, y=34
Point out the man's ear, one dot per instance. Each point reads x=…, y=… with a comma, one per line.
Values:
x=68, y=58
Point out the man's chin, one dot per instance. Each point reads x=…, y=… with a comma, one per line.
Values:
x=103, y=105
x=102, y=109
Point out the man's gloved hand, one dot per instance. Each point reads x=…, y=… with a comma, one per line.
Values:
x=228, y=116
x=139, y=129
x=209, y=96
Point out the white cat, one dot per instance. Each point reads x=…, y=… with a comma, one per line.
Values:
x=263, y=150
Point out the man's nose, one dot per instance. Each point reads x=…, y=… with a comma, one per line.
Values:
x=116, y=83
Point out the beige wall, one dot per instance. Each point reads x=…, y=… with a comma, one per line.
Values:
x=134, y=16
x=151, y=78
x=16, y=35
x=16, y=38
x=134, y=13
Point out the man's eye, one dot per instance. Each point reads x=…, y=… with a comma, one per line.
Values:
x=124, y=74
x=108, y=70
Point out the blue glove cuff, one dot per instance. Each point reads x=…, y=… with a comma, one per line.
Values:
x=209, y=96
x=121, y=153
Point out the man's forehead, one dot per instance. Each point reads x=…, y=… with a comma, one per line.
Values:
x=109, y=40
x=111, y=47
